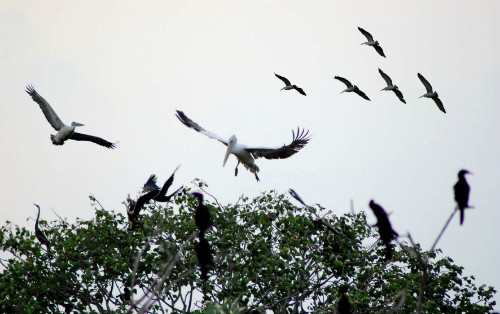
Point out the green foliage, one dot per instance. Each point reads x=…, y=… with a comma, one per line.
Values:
x=269, y=255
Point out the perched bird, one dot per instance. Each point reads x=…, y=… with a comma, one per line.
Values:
x=202, y=217
x=351, y=88
x=296, y=196
x=343, y=305
x=462, y=191
x=394, y=88
x=65, y=132
x=387, y=234
x=247, y=155
x=205, y=256
x=289, y=85
x=430, y=93
x=39, y=233
x=372, y=42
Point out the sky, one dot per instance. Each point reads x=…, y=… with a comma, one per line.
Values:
x=122, y=68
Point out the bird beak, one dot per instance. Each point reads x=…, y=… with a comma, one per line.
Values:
x=228, y=151
x=78, y=124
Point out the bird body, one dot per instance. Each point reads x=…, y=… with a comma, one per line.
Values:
x=371, y=42
x=431, y=93
x=387, y=234
x=245, y=154
x=289, y=86
x=202, y=217
x=351, y=87
x=462, y=191
x=64, y=132
x=391, y=87
x=39, y=233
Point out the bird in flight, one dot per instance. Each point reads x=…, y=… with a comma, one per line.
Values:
x=389, y=86
x=430, y=93
x=64, y=132
x=289, y=85
x=351, y=88
x=462, y=190
x=245, y=154
x=372, y=42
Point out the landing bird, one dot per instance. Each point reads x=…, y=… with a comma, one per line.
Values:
x=387, y=234
x=289, y=85
x=205, y=257
x=202, y=217
x=247, y=155
x=372, y=42
x=394, y=88
x=39, y=233
x=430, y=93
x=462, y=191
x=351, y=88
x=65, y=132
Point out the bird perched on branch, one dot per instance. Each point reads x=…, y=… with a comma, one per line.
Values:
x=462, y=191
x=39, y=233
x=387, y=234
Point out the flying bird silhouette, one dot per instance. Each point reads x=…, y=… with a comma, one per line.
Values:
x=39, y=233
x=247, y=155
x=351, y=88
x=430, y=93
x=462, y=191
x=387, y=234
x=390, y=86
x=289, y=85
x=65, y=132
x=372, y=42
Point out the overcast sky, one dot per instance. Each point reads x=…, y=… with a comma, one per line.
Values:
x=123, y=68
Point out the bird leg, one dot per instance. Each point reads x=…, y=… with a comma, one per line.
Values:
x=236, y=169
x=257, y=177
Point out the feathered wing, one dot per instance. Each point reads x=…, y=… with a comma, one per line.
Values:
x=343, y=80
x=367, y=35
x=161, y=197
x=360, y=93
x=284, y=79
x=300, y=90
x=439, y=103
x=94, y=139
x=427, y=85
x=47, y=110
x=386, y=77
x=300, y=139
x=399, y=94
x=151, y=183
x=143, y=200
x=193, y=125
x=379, y=50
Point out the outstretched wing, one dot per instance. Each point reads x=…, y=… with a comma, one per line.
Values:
x=343, y=80
x=427, y=85
x=439, y=103
x=379, y=50
x=94, y=139
x=151, y=184
x=193, y=125
x=386, y=77
x=167, y=184
x=367, y=35
x=284, y=79
x=300, y=139
x=300, y=90
x=142, y=200
x=47, y=110
x=399, y=94
x=360, y=93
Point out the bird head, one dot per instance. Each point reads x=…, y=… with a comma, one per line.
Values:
x=199, y=196
x=230, y=144
x=76, y=124
x=463, y=172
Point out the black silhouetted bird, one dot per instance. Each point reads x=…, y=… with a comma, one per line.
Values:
x=39, y=233
x=387, y=234
x=289, y=85
x=161, y=195
x=204, y=255
x=202, y=215
x=350, y=87
x=462, y=191
x=343, y=305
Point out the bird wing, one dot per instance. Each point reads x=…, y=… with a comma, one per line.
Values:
x=385, y=77
x=151, y=183
x=193, y=125
x=360, y=93
x=284, y=79
x=439, y=103
x=300, y=139
x=94, y=139
x=142, y=200
x=399, y=94
x=300, y=90
x=427, y=85
x=367, y=35
x=343, y=80
x=168, y=183
x=47, y=110
x=379, y=50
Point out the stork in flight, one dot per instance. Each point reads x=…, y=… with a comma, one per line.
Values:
x=289, y=85
x=64, y=132
x=394, y=88
x=351, y=88
x=247, y=155
x=430, y=93
x=372, y=42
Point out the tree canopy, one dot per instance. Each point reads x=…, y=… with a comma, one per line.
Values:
x=270, y=254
